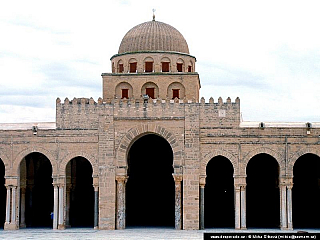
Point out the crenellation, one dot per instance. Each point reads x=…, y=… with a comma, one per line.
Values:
x=163, y=105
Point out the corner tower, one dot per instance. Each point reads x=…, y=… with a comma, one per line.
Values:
x=153, y=60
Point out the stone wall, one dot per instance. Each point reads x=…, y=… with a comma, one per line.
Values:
x=103, y=132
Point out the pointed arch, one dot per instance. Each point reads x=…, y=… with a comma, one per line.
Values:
x=66, y=159
x=134, y=133
x=17, y=160
x=297, y=154
x=218, y=152
x=276, y=155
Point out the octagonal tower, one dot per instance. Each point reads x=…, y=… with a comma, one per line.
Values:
x=153, y=60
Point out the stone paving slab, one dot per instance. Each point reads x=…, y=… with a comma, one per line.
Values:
x=127, y=234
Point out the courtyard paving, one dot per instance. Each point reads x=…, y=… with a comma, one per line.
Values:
x=131, y=233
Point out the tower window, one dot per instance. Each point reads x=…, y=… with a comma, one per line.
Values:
x=150, y=92
x=165, y=67
x=175, y=93
x=120, y=68
x=148, y=66
x=125, y=93
x=189, y=68
x=179, y=67
x=133, y=67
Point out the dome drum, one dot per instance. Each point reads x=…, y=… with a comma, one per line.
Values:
x=161, y=62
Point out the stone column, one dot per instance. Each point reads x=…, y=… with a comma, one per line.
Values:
x=96, y=207
x=283, y=206
x=121, y=202
x=55, y=206
x=68, y=189
x=237, y=214
x=178, y=197
x=202, y=186
x=13, y=210
x=61, y=208
x=289, y=206
x=8, y=206
x=23, y=208
x=243, y=207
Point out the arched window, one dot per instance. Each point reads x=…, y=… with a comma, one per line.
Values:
x=132, y=65
x=124, y=90
x=120, y=66
x=190, y=67
x=150, y=89
x=176, y=90
x=148, y=64
x=165, y=64
x=180, y=64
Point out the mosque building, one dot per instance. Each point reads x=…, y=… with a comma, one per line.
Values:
x=150, y=152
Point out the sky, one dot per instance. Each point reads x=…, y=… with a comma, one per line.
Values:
x=267, y=53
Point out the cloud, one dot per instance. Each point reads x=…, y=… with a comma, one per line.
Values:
x=220, y=75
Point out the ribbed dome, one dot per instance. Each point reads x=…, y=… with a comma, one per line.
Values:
x=153, y=36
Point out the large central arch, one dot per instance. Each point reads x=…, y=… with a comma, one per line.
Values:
x=150, y=189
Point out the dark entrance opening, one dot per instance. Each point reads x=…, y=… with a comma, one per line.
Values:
x=150, y=187
x=36, y=184
x=3, y=195
x=263, y=199
x=306, y=192
x=80, y=193
x=219, y=194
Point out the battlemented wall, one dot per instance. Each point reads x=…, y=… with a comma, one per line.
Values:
x=103, y=132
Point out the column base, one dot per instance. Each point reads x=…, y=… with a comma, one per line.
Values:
x=96, y=228
x=286, y=228
x=10, y=226
x=243, y=228
x=22, y=225
x=61, y=227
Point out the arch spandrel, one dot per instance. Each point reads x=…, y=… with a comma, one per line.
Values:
x=297, y=154
x=18, y=158
x=135, y=133
x=263, y=150
x=206, y=159
x=67, y=158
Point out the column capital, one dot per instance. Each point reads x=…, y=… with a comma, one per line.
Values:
x=202, y=181
x=240, y=185
x=177, y=177
x=285, y=180
x=290, y=186
x=95, y=187
x=121, y=179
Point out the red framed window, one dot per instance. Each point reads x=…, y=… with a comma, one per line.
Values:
x=148, y=66
x=120, y=68
x=179, y=67
x=133, y=67
x=150, y=92
x=175, y=93
x=125, y=93
x=165, y=67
